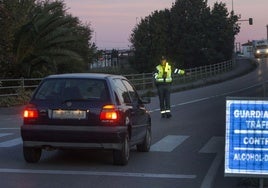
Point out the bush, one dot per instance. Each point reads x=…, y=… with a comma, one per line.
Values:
x=21, y=98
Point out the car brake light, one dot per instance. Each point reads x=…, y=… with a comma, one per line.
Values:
x=30, y=112
x=108, y=114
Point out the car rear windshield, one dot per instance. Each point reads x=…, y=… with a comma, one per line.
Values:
x=73, y=89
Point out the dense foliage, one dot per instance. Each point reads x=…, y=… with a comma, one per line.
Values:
x=38, y=38
x=190, y=34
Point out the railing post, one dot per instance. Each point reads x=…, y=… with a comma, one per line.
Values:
x=143, y=81
x=22, y=82
x=196, y=73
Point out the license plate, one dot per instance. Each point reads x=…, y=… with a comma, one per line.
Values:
x=69, y=114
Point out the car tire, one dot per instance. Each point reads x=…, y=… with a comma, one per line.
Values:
x=32, y=155
x=146, y=144
x=121, y=157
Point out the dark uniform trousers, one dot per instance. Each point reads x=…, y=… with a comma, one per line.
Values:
x=164, y=96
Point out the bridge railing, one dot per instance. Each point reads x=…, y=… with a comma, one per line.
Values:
x=144, y=81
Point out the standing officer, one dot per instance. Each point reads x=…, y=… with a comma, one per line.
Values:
x=163, y=80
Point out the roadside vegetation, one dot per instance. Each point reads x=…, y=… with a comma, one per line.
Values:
x=40, y=37
x=17, y=100
x=190, y=34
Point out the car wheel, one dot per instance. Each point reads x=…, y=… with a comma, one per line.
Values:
x=146, y=144
x=32, y=155
x=121, y=156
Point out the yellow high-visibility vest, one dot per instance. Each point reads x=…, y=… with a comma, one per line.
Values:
x=164, y=74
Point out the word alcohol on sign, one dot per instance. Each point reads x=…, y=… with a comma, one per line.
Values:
x=246, y=143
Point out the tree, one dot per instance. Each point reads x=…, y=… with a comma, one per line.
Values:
x=190, y=34
x=12, y=17
x=149, y=40
x=223, y=28
x=48, y=40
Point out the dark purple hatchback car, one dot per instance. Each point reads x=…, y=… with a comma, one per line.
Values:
x=86, y=111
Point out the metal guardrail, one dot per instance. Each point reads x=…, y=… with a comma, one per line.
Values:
x=10, y=87
x=144, y=81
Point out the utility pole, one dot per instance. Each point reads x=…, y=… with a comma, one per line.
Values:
x=267, y=30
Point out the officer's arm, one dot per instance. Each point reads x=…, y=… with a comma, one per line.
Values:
x=179, y=71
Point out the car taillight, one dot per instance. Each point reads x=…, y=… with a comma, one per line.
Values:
x=30, y=112
x=109, y=114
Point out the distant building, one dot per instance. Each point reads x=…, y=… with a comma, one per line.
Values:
x=108, y=59
x=247, y=49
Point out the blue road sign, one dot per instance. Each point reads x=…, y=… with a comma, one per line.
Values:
x=246, y=142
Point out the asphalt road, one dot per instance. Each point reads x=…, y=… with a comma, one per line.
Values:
x=187, y=150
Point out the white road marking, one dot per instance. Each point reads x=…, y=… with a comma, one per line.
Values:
x=11, y=143
x=5, y=134
x=168, y=143
x=214, y=145
x=207, y=98
x=91, y=173
x=10, y=128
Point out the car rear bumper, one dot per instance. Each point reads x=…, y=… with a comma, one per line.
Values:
x=51, y=136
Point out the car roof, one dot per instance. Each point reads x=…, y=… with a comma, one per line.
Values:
x=85, y=75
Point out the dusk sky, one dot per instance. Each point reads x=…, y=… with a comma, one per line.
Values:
x=113, y=20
